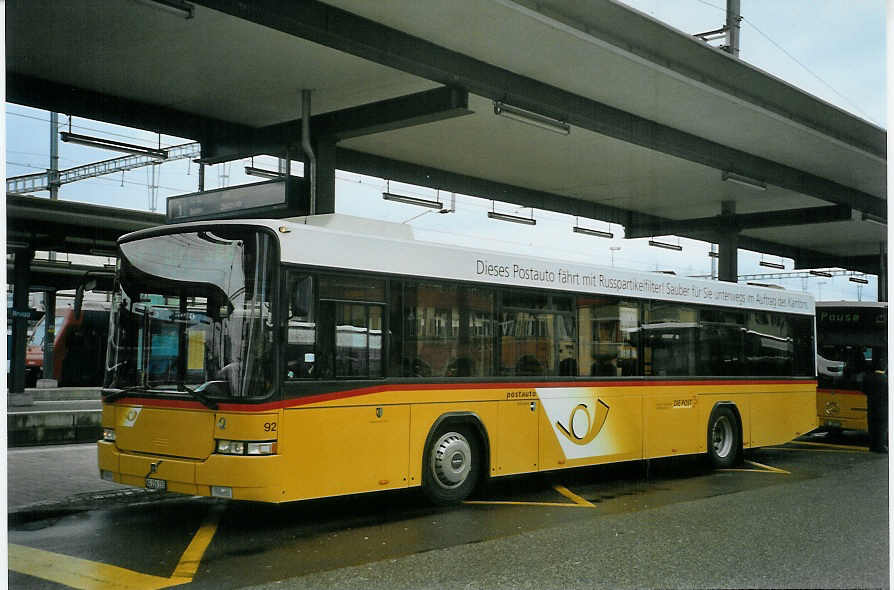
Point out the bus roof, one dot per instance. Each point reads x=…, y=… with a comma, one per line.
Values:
x=343, y=242
x=854, y=304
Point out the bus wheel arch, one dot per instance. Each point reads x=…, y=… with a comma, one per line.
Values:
x=456, y=457
x=724, y=435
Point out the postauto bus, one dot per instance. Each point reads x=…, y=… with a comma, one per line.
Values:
x=279, y=360
x=852, y=341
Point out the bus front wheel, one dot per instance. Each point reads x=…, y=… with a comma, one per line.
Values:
x=724, y=438
x=452, y=465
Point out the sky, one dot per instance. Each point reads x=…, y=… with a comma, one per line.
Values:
x=833, y=49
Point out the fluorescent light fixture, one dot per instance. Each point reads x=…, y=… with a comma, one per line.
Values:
x=772, y=265
x=666, y=246
x=118, y=146
x=858, y=280
x=667, y=272
x=512, y=218
x=592, y=232
x=177, y=7
x=743, y=180
x=766, y=285
x=875, y=219
x=412, y=200
x=530, y=118
x=252, y=171
x=820, y=273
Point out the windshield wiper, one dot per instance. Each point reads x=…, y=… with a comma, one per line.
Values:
x=197, y=394
x=122, y=393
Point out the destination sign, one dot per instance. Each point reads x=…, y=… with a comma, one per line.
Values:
x=275, y=199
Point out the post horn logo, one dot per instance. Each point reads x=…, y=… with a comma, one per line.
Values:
x=583, y=428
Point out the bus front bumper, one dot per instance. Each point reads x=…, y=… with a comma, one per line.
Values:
x=238, y=477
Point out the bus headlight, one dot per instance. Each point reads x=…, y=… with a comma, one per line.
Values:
x=260, y=448
x=240, y=447
x=108, y=434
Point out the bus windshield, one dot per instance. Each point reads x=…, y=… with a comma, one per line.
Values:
x=193, y=312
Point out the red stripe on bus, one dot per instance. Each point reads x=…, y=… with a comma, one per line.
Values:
x=349, y=393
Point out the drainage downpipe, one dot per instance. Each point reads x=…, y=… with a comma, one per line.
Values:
x=308, y=150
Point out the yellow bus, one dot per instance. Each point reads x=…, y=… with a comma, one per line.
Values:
x=852, y=341
x=280, y=360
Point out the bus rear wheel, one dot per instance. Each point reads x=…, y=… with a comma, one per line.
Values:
x=452, y=465
x=724, y=438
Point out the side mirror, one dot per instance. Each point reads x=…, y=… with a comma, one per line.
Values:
x=300, y=297
x=299, y=304
x=86, y=285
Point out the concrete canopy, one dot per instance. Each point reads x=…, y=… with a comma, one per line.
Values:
x=656, y=116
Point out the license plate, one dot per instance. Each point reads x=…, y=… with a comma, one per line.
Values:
x=156, y=484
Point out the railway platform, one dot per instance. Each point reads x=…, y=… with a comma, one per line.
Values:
x=61, y=415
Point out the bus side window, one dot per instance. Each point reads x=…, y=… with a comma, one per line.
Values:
x=349, y=327
x=301, y=327
x=447, y=330
x=609, y=329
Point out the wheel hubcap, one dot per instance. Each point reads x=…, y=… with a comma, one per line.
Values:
x=451, y=460
x=722, y=437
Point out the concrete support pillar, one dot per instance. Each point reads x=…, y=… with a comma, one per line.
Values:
x=49, y=341
x=20, y=316
x=728, y=244
x=324, y=150
x=883, y=272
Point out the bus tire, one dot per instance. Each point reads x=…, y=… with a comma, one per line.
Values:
x=724, y=438
x=451, y=465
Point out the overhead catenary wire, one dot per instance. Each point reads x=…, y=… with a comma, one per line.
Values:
x=788, y=54
x=808, y=70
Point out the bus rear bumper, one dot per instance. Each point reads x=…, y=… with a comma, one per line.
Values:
x=241, y=478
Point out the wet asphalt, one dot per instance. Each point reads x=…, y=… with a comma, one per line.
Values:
x=661, y=524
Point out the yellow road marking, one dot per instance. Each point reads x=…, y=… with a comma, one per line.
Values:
x=81, y=573
x=761, y=468
x=510, y=503
x=578, y=501
x=768, y=467
x=857, y=450
x=93, y=575
x=573, y=497
x=189, y=561
x=831, y=446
